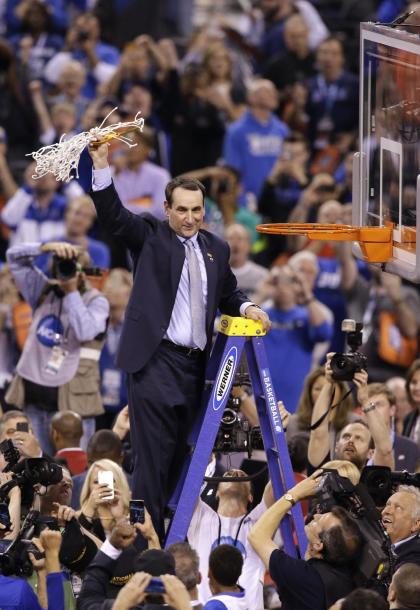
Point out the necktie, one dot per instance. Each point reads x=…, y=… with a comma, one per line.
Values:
x=198, y=312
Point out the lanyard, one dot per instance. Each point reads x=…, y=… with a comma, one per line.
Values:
x=237, y=531
x=329, y=94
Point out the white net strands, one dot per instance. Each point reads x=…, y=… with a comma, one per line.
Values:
x=62, y=158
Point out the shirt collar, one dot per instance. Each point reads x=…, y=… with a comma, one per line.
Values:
x=397, y=544
x=193, y=239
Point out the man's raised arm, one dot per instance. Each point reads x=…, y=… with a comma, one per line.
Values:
x=118, y=221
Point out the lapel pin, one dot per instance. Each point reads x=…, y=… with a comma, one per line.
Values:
x=210, y=255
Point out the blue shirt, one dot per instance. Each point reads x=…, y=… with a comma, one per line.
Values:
x=17, y=593
x=289, y=346
x=252, y=148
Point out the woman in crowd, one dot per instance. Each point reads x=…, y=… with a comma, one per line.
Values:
x=412, y=420
x=98, y=514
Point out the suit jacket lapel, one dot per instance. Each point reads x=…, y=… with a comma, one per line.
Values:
x=177, y=261
x=211, y=269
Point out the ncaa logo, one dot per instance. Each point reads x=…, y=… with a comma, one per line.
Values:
x=224, y=377
x=47, y=329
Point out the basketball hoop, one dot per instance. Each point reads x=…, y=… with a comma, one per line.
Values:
x=375, y=242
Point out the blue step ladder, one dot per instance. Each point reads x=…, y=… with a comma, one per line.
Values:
x=235, y=334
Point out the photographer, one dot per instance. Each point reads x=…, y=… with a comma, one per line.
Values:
x=404, y=591
x=356, y=439
x=401, y=519
x=58, y=368
x=50, y=580
x=334, y=545
x=230, y=525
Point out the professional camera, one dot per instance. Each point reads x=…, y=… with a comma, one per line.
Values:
x=14, y=556
x=344, y=366
x=381, y=482
x=235, y=434
x=377, y=559
x=66, y=268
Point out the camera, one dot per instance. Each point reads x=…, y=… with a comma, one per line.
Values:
x=14, y=559
x=344, y=366
x=82, y=36
x=381, y=482
x=235, y=434
x=66, y=268
x=376, y=562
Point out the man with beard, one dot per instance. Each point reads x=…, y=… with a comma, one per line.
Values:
x=358, y=441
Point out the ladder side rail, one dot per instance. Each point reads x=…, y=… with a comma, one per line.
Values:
x=278, y=437
x=209, y=427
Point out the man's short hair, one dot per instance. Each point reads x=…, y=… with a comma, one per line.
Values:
x=406, y=585
x=341, y=543
x=366, y=599
x=380, y=388
x=104, y=444
x=8, y=415
x=415, y=492
x=226, y=564
x=187, y=564
x=190, y=184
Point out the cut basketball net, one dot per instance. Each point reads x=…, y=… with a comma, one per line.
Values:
x=375, y=242
x=62, y=159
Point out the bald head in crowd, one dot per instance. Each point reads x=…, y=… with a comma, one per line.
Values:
x=239, y=240
x=404, y=590
x=66, y=430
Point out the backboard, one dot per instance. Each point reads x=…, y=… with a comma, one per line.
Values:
x=386, y=172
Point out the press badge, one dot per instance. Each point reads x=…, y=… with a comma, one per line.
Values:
x=55, y=362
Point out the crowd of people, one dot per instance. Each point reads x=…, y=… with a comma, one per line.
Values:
x=110, y=285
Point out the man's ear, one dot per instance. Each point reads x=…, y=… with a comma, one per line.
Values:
x=199, y=578
x=370, y=454
x=167, y=207
x=317, y=545
x=416, y=527
x=392, y=596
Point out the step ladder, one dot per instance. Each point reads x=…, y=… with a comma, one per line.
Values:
x=235, y=334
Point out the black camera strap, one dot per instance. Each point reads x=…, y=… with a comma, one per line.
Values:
x=330, y=408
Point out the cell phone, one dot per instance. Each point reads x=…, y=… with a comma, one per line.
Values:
x=5, y=517
x=22, y=426
x=155, y=586
x=106, y=477
x=136, y=511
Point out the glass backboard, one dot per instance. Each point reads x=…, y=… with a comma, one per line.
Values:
x=386, y=182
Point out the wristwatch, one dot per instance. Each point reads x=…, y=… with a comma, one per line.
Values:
x=290, y=498
x=370, y=407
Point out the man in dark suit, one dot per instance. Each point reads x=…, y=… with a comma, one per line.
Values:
x=401, y=519
x=181, y=278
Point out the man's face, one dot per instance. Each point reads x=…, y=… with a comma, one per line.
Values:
x=239, y=243
x=414, y=387
x=10, y=430
x=296, y=37
x=241, y=491
x=186, y=213
x=61, y=492
x=397, y=516
x=330, y=56
x=353, y=445
x=318, y=525
x=79, y=217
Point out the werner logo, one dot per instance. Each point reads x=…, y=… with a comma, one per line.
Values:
x=224, y=378
x=48, y=329
x=271, y=399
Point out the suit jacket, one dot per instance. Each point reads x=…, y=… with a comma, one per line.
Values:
x=408, y=552
x=158, y=257
x=406, y=453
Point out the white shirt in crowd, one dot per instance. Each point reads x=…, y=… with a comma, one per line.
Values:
x=208, y=529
